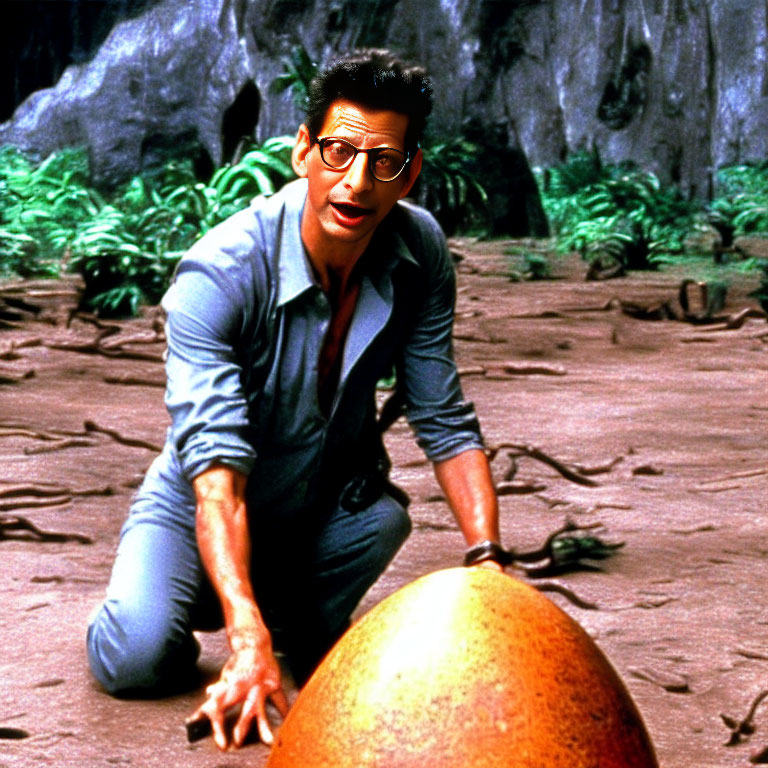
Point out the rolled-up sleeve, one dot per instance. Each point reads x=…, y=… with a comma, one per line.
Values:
x=444, y=423
x=204, y=393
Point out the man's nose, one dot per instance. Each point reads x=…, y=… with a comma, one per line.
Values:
x=358, y=176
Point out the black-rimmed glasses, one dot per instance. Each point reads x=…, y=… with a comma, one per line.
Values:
x=384, y=163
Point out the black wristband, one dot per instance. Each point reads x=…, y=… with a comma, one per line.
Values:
x=487, y=550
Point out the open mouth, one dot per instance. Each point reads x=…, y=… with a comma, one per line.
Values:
x=350, y=213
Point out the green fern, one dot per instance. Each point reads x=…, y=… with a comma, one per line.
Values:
x=614, y=212
x=447, y=187
x=298, y=71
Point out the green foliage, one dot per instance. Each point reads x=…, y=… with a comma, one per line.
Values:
x=529, y=260
x=113, y=252
x=127, y=246
x=448, y=187
x=741, y=203
x=298, y=72
x=617, y=212
x=262, y=171
x=761, y=293
x=40, y=207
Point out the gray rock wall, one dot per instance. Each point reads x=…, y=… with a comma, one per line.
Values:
x=678, y=86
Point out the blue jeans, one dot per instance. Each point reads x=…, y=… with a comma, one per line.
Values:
x=141, y=641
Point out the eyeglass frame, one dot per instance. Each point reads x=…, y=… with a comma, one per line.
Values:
x=321, y=141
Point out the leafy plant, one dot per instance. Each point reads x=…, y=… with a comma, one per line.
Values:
x=119, y=273
x=448, y=187
x=528, y=261
x=614, y=212
x=298, y=72
x=262, y=171
x=741, y=204
x=761, y=292
x=41, y=205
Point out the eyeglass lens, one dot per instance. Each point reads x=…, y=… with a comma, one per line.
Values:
x=384, y=163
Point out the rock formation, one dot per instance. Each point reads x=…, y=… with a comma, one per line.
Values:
x=678, y=86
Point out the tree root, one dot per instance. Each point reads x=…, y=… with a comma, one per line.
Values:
x=736, y=320
x=517, y=488
x=600, y=469
x=14, y=490
x=568, y=594
x=53, y=501
x=60, y=439
x=11, y=376
x=133, y=442
x=517, y=449
x=736, y=476
x=8, y=350
x=472, y=370
x=139, y=381
x=7, y=732
x=744, y=728
x=95, y=348
x=59, y=445
x=14, y=528
x=528, y=369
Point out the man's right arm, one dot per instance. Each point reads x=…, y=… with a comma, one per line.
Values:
x=251, y=674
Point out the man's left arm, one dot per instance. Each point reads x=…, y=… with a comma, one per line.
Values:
x=468, y=487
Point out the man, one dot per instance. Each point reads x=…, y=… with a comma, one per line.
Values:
x=269, y=509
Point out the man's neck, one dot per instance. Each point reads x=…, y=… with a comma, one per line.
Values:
x=333, y=261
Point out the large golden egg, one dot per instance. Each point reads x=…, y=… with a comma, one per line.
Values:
x=464, y=668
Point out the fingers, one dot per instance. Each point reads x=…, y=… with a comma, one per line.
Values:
x=254, y=708
x=214, y=709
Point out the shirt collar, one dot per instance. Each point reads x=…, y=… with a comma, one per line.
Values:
x=295, y=270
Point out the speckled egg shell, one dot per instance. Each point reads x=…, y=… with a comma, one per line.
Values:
x=464, y=668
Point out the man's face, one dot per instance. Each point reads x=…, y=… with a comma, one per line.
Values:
x=344, y=207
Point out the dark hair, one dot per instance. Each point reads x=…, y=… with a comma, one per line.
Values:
x=375, y=79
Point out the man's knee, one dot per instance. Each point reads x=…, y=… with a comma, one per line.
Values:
x=392, y=525
x=130, y=651
x=398, y=522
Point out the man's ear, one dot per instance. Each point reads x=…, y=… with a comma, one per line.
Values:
x=300, y=151
x=411, y=174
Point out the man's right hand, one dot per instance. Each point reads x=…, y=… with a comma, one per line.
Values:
x=250, y=677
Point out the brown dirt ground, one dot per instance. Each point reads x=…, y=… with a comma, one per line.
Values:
x=683, y=608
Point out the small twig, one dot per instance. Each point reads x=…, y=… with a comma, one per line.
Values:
x=472, y=370
x=737, y=320
x=534, y=453
x=129, y=380
x=54, y=501
x=736, y=476
x=600, y=469
x=528, y=369
x=149, y=337
x=13, y=733
x=517, y=487
x=94, y=348
x=545, y=314
x=50, y=490
x=134, y=442
x=568, y=594
x=478, y=338
x=744, y=728
x=10, y=376
x=59, y=445
x=28, y=531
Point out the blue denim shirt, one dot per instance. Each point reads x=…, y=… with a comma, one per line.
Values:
x=245, y=324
